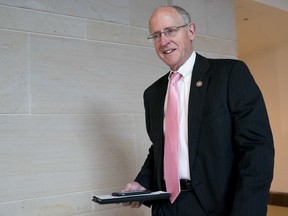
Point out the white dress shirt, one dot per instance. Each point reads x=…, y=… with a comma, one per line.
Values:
x=183, y=90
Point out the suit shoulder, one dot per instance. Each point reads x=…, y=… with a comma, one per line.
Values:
x=220, y=65
x=228, y=63
x=157, y=84
x=227, y=66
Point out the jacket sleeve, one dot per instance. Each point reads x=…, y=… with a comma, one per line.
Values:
x=254, y=143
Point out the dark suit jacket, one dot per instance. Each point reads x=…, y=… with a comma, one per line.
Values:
x=231, y=149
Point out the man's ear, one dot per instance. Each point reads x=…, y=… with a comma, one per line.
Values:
x=191, y=28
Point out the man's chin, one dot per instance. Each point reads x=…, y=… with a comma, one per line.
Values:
x=170, y=63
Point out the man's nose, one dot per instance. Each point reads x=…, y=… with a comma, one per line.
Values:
x=164, y=39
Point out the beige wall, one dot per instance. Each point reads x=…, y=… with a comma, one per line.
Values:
x=269, y=67
x=71, y=112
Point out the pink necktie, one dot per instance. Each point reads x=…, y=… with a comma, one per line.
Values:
x=172, y=139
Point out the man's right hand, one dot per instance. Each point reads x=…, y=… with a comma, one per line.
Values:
x=131, y=187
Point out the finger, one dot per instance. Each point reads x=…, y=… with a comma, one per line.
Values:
x=138, y=205
x=128, y=187
x=135, y=204
x=126, y=204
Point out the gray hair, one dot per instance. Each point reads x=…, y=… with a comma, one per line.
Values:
x=183, y=13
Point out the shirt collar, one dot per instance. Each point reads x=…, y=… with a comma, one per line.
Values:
x=186, y=69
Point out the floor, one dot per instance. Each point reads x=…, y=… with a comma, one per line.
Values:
x=277, y=211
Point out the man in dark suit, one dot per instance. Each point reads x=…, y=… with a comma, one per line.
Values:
x=226, y=153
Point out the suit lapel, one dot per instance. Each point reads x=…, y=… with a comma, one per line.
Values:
x=198, y=88
x=159, y=101
x=158, y=108
x=159, y=105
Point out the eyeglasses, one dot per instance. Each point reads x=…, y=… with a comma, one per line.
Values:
x=168, y=32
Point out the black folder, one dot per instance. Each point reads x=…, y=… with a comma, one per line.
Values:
x=109, y=199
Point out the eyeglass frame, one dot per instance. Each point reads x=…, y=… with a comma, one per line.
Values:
x=151, y=37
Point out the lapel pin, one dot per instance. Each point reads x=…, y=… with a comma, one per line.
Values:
x=199, y=84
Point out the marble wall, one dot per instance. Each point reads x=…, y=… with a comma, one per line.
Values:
x=72, y=77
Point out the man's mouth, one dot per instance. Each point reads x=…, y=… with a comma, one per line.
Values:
x=169, y=51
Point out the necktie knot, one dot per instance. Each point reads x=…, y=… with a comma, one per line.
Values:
x=174, y=77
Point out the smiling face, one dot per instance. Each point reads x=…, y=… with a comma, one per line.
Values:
x=174, y=51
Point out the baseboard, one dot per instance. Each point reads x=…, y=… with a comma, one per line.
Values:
x=278, y=198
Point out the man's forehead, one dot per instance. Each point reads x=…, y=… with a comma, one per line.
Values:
x=164, y=18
